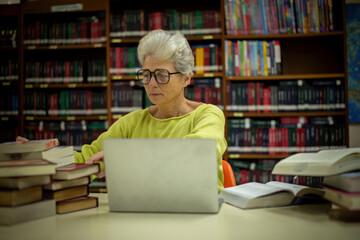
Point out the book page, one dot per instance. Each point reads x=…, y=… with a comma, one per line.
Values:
x=254, y=190
x=335, y=155
x=294, y=188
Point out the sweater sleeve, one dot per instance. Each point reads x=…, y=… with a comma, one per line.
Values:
x=88, y=150
x=211, y=124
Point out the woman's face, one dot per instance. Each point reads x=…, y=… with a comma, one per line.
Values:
x=164, y=94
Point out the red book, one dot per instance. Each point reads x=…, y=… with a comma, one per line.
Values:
x=267, y=100
x=197, y=93
x=76, y=171
x=251, y=97
x=206, y=59
x=272, y=141
x=285, y=140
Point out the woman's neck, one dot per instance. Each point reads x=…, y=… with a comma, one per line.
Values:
x=169, y=111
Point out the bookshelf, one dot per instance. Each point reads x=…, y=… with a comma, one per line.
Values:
x=309, y=92
x=10, y=63
x=311, y=62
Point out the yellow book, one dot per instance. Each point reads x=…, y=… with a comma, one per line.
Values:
x=265, y=58
x=199, y=60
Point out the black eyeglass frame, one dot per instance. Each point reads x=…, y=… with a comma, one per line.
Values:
x=153, y=74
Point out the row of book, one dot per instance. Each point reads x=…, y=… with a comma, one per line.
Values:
x=123, y=61
x=8, y=37
x=64, y=103
x=136, y=23
x=9, y=70
x=207, y=90
x=39, y=179
x=298, y=95
x=69, y=133
x=245, y=17
x=75, y=138
x=9, y=103
x=84, y=30
x=260, y=171
x=65, y=71
x=8, y=131
x=125, y=97
x=262, y=138
x=252, y=58
x=207, y=58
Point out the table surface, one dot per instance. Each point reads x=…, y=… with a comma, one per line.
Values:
x=292, y=222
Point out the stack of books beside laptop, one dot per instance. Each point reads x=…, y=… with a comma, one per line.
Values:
x=343, y=190
x=70, y=188
x=22, y=181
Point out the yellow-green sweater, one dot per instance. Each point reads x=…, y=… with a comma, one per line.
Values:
x=206, y=121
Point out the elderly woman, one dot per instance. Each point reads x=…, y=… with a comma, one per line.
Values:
x=167, y=62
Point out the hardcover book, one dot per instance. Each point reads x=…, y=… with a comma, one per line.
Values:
x=62, y=184
x=322, y=163
x=13, y=198
x=349, y=181
x=22, y=168
x=30, y=146
x=76, y=204
x=24, y=182
x=67, y=193
x=272, y=194
x=75, y=171
x=49, y=154
x=27, y=212
x=347, y=200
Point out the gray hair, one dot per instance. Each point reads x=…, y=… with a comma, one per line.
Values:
x=169, y=47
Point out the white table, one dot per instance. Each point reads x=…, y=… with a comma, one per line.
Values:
x=295, y=222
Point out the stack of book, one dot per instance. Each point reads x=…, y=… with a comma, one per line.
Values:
x=70, y=188
x=343, y=190
x=21, y=182
x=340, y=169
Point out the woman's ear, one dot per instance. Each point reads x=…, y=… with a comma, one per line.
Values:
x=187, y=79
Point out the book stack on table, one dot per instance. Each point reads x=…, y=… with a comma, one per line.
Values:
x=22, y=181
x=343, y=190
x=70, y=188
x=340, y=169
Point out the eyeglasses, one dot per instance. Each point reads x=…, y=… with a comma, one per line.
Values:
x=162, y=76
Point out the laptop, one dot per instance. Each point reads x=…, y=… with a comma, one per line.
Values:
x=161, y=175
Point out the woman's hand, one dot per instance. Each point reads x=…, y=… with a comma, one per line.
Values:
x=21, y=140
x=97, y=157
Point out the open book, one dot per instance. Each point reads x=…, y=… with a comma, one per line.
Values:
x=322, y=163
x=271, y=194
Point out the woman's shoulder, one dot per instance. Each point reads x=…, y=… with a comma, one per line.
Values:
x=134, y=114
x=206, y=107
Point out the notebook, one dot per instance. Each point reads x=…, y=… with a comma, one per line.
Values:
x=161, y=175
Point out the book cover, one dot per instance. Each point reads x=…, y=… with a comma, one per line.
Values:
x=11, y=197
x=30, y=146
x=21, y=168
x=76, y=204
x=75, y=171
x=67, y=193
x=347, y=200
x=349, y=181
x=49, y=154
x=27, y=212
x=24, y=182
x=62, y=184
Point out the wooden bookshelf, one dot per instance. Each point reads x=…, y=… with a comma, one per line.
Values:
x=310, y=57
